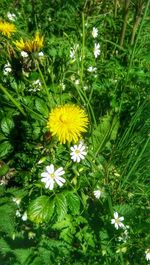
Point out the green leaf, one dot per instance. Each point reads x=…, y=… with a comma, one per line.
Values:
x=7, y=218
x=7, y=125
x=41, y=209
x=73, y=202
x=23, y=255
x=5, y=148
x=4, y=247
x=41, y=107
x=61, y=206
x=3, y=170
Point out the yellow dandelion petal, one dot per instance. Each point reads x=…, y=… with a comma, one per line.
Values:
x=33, y=45
x=67, y=122
x=7, y=28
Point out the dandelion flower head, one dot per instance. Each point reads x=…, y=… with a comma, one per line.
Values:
x=7, y=28
x=67, y=122
x=33, y=45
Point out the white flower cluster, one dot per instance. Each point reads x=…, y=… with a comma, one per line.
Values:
x=50, y=176
x=23, y=216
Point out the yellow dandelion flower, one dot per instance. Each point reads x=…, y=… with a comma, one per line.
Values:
x=67, y=122
x=7, y=28
x=33, y=45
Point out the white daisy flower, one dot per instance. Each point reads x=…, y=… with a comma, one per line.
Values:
x=37, y=83
x=41, y=54
x=78, y=152
x=92, y=69
x=77, y=82
x=72, y=53
x=96, y=50
x=7, y=69
x=94, y=32
x=62, y=85
x=24, y=54
x=24, y=216
x=50, y=176
x=16, y=200
x=11, y=16
x=97, y=193
x=147, y=254
x=18, y=214
x=117, y=221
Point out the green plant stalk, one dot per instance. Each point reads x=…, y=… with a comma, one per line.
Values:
x=105, y=138
x=110, y=205
x=138, y=35
x=115, y=3
x=127, y=3
x=135, y=164
x=39, y=117
x=12, y=99
x=82, y=54
x=43, y=80
x=81, y=93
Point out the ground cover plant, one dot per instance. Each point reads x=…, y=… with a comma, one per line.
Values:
x=74, y=132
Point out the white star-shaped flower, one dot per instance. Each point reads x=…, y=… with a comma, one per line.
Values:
x=11, y=16
x=96, y=50
x=18, y=214
x=72, y=53
x=24, y=216
x=24, y=54
x=16, y=200
x=50, y=176
x=78, y=152
x=147, y=254
x=7, y=69
x=91, y=69
x=117, y=221
x=97, y=193
x=94, y=32
x=41, y=54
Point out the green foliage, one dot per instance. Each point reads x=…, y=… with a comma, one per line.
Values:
x=72, y=223
x=41, y=209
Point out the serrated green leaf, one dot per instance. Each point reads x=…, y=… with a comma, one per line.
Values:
x=4, y=247
x=41, y=107
x=41, y=209
x=61, y=206
x=7, y=218
x=73, y=202
x=23, y=255
x=3, y=170
x=7, y=125
x=5, y=148
x=2, y=137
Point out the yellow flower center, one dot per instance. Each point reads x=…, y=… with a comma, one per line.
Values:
x=52, y=175
x=77, y=152
x=63, y=118
x=117, y=221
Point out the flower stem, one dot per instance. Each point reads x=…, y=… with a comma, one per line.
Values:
x=12, y=99
x=43, y=80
